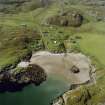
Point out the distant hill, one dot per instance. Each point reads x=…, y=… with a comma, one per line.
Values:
x=93, y=2
x=88, y=2
x=27, y=5
x=21, y=5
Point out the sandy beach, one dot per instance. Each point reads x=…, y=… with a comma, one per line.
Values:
x=61, y=65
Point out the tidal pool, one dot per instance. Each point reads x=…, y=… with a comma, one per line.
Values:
x=40, y=95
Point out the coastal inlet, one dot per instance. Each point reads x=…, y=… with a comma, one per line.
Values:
x=53, y=74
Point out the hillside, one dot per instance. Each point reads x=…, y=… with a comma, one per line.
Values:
x=28, y=26
x=14, y=6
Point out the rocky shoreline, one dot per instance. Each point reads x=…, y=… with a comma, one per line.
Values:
x=16, y=79
x=63, y=98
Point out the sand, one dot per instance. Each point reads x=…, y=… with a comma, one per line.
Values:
x=61, y=64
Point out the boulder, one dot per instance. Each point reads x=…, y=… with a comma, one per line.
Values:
x=75, y=69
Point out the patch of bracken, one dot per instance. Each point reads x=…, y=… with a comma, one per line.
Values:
x=73, y=19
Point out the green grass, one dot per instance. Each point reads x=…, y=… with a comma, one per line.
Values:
x=15, y=44
x=93, y=44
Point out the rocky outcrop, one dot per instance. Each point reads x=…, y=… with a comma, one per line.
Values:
x=22, y=76
x=32, y=74
x=69, y=18
x=79, y=96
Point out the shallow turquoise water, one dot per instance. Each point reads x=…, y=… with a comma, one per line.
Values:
x=32, y=95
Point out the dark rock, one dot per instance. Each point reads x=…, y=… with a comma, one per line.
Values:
x=27, y=56
x=73, y=86
x=75, y=69
x=73, y=19
x=11, y=87
x=16, y=81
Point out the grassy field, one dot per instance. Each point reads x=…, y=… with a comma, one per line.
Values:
x=94, y=45
x=93, y=41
